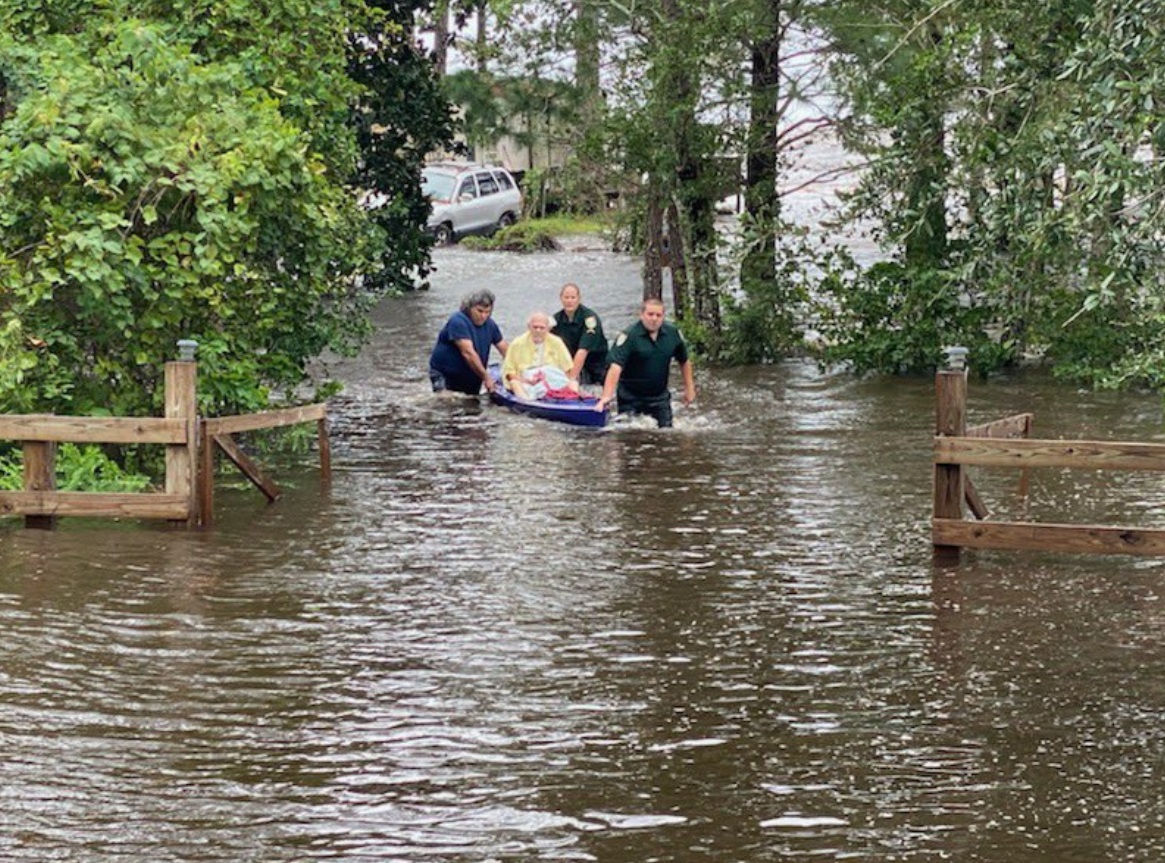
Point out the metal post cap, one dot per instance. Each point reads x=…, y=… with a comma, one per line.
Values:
x=956, y=357
x=186, y=349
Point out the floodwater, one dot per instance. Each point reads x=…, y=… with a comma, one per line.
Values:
x=498, y=639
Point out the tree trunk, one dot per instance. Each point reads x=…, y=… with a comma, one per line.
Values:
x=441, y=37
x=586, y=53
x=694, y=190
x=653, y=250
x=677, y=259
x=482, y=34
x=761, y=202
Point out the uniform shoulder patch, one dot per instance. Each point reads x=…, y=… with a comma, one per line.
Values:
x=620, y=339
x=591, y=322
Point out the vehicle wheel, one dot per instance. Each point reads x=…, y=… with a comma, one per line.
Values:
x=444, y=234
x=506, y=220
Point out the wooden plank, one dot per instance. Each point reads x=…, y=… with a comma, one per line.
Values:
x=265, y=419
x=250, y=470
x=205, y=477
x=95, y=504
x=1024, y=475
x=122, y=430
x=950, y=419
x=974, y=501
x=325, y=451
x=1008, y=427
x=181, y=400
x=1095, y=455
x=40, y=474
x=1027, y=536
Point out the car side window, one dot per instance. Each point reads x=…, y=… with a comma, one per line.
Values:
x=468, y=190
x=504, y=181
x=487, y=184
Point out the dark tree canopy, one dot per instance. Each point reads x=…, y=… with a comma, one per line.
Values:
x=197, y=170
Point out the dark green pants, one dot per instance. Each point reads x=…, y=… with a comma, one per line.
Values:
x=658, y=407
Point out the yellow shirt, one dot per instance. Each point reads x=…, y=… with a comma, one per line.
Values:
x=523, y=354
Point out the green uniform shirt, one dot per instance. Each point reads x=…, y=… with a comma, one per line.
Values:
x=584, y=331
x=646, y=361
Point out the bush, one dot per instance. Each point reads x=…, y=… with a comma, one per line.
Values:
x=525, y=236
x=85, y=468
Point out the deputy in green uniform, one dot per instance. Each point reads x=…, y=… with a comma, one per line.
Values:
x=640, y=362
x=582, y=330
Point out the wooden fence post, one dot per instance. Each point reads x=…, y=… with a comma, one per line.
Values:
x=205, y=476
x=40, y=474
x=950, y=421
x=182, y=403
x=325, y=451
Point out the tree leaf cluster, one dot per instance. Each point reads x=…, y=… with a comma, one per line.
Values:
x=1013, y=153
x=196, y=171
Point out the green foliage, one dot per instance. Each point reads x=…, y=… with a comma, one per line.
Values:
x=568, y=224
x=184, y=174
x=1103, y=342
x=890, y=318
x=529, y=108
x=577, y=187
x=399, y=116
x=11, y=471
x=85, y=468
x=1028, y=220
x=524, y=236
x=764, y=323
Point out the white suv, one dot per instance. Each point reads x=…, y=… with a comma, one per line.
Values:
x=469, y=199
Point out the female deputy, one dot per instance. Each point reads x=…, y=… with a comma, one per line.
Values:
x=582, y=331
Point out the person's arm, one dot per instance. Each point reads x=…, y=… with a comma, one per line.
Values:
x=689, y=381
x=511, y=374
x=609, y=386
x=592, y=339
x=503, y=346
x=469, y=354
x=580, y=358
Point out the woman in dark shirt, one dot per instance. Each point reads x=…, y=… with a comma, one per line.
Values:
x=582, y=330
x=460, y=358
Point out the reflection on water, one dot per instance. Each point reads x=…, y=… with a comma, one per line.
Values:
x=494, y=638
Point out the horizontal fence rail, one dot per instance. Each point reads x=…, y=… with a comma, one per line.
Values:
x=114, y=430
x=265, y=420
x=1028, y=536
x=1097, y=455
x=94, y=504
x=1019, y=425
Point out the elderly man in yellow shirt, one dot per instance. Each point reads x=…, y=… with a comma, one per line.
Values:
x=537, y=361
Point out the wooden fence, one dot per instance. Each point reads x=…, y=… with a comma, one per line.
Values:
x=1008, y=443
x=190, y=441
x=217, y=434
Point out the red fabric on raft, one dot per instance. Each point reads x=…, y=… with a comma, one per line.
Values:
x=562, y=394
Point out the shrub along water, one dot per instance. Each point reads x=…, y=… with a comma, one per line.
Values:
x=85, y=468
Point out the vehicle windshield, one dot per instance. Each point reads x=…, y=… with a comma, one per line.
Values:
x=437, y=186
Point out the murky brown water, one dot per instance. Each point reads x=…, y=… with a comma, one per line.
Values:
x=499, y=639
